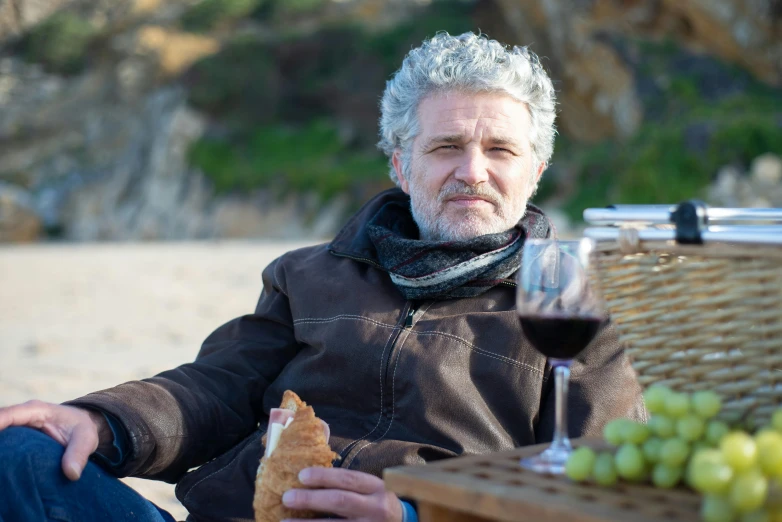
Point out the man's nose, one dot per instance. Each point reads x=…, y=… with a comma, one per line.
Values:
x=474, y=167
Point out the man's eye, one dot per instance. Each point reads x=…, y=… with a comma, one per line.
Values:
x=447, y=147
x=500, y=149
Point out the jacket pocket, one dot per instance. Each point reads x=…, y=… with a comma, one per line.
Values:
x=223, y=488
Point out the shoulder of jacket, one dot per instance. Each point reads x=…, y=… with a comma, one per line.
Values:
x=305, y=254
x=293, y=259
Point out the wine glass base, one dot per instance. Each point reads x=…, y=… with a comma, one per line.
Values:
x=551, y=461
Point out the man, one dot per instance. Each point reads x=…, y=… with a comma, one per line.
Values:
x=401, y=332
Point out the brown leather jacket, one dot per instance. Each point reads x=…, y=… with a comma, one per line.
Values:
x=398, y=382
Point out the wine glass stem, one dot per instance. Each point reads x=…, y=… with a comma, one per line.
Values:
x=561, y=378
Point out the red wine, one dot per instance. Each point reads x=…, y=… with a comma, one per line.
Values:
x=560, y=337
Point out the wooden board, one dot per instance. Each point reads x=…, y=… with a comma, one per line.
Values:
x=495, y=487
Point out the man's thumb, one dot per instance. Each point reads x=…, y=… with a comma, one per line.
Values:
x=80, y=446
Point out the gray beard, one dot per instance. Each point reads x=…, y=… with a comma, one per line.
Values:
x=433, y=227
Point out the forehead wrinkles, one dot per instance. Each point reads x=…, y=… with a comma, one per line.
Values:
x=483, y=126
x=471, y=118
x=471, y=122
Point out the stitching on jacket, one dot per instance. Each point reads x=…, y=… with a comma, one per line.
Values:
x=277, y=281
x=423, y=310
x=471, y=346
x=349, y=446
x=342, y=316
x=393, y=403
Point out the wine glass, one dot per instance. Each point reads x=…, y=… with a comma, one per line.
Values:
x=559, y=315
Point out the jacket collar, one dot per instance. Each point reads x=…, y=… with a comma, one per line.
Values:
x=353, y=240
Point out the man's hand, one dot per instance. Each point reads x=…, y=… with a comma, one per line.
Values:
x=74, y=428
x=357, y=496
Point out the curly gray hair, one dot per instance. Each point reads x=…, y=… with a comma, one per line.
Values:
x=467, y=63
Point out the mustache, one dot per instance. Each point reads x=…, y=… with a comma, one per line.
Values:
x=462, y=189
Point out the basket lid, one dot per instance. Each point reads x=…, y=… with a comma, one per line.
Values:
x=690, y=222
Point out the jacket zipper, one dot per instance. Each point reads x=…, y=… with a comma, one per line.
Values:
x=404, y=322
x=410, y=315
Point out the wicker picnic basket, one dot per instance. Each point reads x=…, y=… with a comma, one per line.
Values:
x=696, y=295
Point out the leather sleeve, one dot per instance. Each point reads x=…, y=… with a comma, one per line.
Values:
x=182, y=418
x=603, y=386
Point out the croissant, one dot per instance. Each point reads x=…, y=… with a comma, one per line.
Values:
x=301, y=444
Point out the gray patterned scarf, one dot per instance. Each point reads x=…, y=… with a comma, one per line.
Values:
x=449, y=269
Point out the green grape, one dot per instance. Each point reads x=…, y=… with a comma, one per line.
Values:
x=706, y=404
x=708, y=472
x=690, y=428
x=654, y=398
x=604, y=471
x=613, y=431
x=774, y=501
x=630, y=462
x=715, y=508
x=760, y=515
x=769, y=443
x=579, y=464
x=674, y=452
x=635, y=432
x=651, y=449
x=665, y=476
x=715, y=430
x=708, y=455
x=677, y=404
x=748, y=491
x=776, y=420
x=739, y=449
x=662, y=426
x=688, y=473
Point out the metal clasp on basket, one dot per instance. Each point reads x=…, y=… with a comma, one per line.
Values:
x=691, y=219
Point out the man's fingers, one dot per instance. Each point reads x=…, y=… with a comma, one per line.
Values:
x=82, y=443
x=338, y=502
x=30, y=413
x=68, y=426
x=339, y=478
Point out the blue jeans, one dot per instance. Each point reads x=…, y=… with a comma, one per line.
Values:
x=33, y=487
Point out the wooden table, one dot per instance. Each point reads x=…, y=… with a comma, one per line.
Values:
x=490, y=487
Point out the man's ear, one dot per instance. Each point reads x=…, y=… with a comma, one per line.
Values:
x=396, y=161
x=541, y=168
x=538, y=174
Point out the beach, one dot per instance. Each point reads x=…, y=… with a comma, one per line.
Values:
x=76, y=318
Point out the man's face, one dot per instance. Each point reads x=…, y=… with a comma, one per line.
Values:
x=472, y=169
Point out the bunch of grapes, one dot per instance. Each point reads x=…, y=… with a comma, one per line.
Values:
x=684, y=443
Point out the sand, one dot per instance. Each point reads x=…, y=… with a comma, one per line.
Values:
x=75, y=318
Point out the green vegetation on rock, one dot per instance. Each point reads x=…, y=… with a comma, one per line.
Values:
x=285, y=159
x=293, y=7
x=238, y=83
x=60, y=42
x=209, y=14
x=689, y=134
